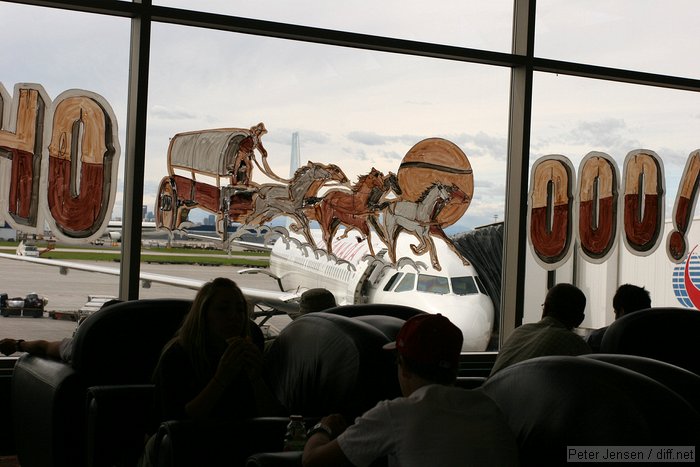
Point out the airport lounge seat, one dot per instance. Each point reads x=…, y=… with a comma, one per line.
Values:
x=118, y=346
x=320, y=363
x=683, y=382
x=552, y=403
x=385, y=309
x=325, y=363
x=666, y=334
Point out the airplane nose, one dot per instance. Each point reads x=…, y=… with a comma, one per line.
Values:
x=474, y=315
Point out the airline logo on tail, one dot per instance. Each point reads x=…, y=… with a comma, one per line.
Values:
x=686, y=279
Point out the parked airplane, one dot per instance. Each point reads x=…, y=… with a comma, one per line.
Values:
x=114, y=229
x=354, y=276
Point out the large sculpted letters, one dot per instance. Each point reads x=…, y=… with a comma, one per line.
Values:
x=683, y=209
x=21, y=140
x=598, y=198
x=643, y=203
x=58, y=162
x=550, y=216
x=598, y=204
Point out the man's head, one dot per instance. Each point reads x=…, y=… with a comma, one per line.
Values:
x=629, y=298
x=429, y=346
x=565, y=303
x=316, y=300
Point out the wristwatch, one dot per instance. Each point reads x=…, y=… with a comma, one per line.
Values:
x=320, y=428
x=17, y=343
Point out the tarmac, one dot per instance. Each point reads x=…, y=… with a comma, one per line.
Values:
x=70, y=292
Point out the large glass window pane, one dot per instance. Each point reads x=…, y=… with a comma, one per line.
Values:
x=60, y=51
x=479, y=25
x=654, y=37
x=574, y=116
x=356, y=109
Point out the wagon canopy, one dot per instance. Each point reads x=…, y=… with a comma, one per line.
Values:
x=209, y=152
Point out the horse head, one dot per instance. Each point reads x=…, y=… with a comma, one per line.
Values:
x=457, y=193
x=391, y=182
x=335, y=173
x=374, y=179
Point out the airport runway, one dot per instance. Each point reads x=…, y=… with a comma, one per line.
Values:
x=70, y=292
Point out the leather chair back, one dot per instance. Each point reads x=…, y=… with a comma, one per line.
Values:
x=554, y=402
x=121, y=343
x=681, y=381
x=666, y=334
x=323, y=363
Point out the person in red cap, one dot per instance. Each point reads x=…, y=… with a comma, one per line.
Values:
x=434, y=423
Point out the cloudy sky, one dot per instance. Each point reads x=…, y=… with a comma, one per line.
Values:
x=362, y=109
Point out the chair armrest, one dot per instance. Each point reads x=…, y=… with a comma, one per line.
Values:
x=47, y=395
x=274, y=459
x=186, y=442
x=118, y=420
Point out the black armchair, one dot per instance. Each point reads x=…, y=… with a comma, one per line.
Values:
x=116, y=346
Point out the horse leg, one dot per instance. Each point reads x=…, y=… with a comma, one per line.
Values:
x=368, y=238
x=391, y=233
x=433, y=253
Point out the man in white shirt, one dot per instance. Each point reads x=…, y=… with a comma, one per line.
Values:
x=434, y=423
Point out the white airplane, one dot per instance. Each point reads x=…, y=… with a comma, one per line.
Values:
x=114, y=229
x=354, y=276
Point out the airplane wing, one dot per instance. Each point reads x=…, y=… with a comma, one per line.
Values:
x=283, y=301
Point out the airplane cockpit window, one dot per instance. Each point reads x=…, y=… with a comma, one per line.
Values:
x=464, y=285
x=433, y=284
x=482, y=289
x=407, y=283
x=390, y=283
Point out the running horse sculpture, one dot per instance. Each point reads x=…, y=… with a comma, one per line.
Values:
x=272, y=200
x=418, y=218
x=352, y=209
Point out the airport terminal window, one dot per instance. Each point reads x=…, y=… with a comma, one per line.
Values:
x=432, y=284
x=489, y=22
x=65, y=50
x=464, y=285
x=407, y=283
x=622, y=34
x=616, y=119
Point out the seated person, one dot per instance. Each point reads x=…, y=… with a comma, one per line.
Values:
x=562, y=311
x=212, y=369
x=434, y=423
x=313, y=300
x=57, y=350
x=628, y=298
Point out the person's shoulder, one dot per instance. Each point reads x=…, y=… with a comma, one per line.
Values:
x=173, y=350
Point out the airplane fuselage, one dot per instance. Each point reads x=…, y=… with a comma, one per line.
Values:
x=353, y=276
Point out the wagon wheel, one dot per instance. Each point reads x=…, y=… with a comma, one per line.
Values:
x=166, y=204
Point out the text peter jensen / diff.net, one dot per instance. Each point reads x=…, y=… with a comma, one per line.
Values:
x=640, y=454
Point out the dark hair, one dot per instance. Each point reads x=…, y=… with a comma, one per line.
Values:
x=193, y=334
x=432, y=373
x=629, y=298
x=566, y=303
